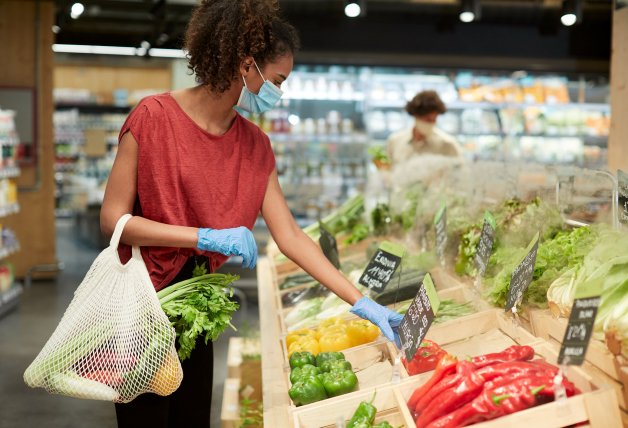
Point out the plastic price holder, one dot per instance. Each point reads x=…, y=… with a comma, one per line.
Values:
x=578, y=332
x=419, y=317
x=440, y=227
x=485, y=247
x=328, y=244
x=382, y=266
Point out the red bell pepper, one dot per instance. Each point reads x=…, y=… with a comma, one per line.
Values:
x=513, y=353
x=425, y=359
x=445, y=366
x=493, y=403
x=449, y=400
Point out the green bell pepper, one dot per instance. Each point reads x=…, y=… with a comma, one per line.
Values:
x=361, y=423
x=383, y=424
x=335, y=365
x=325, y=356
x=306, y=391
x=339, y=382
x=364, y=413
x=299, y=359
x=303, y=372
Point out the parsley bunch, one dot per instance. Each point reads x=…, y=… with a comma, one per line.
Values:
x=199, y=306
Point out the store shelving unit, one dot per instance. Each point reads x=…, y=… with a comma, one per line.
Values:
x=73, y=121
x=9, y=298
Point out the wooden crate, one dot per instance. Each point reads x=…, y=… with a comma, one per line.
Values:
x=595, y=406
x=480, y=333
x=373, y=364
x=599, y=361
x=238, y=347
x=328, y=413
x=230, y=411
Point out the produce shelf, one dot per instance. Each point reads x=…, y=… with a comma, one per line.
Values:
x=599, y=361
x=579, y=408
x=6, y=210
x=7, y=251
x=9, y=172
x=10, y=298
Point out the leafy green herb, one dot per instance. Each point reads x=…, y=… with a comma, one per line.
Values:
x=200, y=306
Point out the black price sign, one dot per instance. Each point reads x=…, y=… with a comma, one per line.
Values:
x=578, y=332
x=485, y=246
x=522, y=275
x=622, y=187
x=440, y=226
x=382, y=266
x=329, y=246
x=418, y=319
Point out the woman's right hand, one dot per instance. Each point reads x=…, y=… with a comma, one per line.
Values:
x=238, y=241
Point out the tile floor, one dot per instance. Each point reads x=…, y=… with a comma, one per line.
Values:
x=24, y=331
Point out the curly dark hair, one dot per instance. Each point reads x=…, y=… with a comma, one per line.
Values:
x=425, y=102
x=223, y=32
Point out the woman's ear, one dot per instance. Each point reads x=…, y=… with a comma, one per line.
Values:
x=245, y=65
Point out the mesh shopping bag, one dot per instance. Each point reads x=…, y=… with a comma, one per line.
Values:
x=114, y=341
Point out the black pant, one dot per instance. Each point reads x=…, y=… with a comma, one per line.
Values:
x=189, y=406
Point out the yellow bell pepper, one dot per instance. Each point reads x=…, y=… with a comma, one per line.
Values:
x=298, y=335
x=361, y=332
x=330, y=324
x=306, y=344
x=334, y=340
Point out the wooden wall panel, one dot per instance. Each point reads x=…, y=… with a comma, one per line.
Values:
x=618, y=141
x=25, y=48
x=103, y=80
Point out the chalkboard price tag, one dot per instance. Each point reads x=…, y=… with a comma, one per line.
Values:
x=578, y=332
x=328, y=244
x=485, y=246
x=419, y=317
x=622, y=184
x=440, y=226
x=522, y=275
x=382, y=266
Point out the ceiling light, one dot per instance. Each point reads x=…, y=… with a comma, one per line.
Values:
x=56, y=29
x=467, y=16
x=117, y=50
x=353, y=9
x=571, y=13
x=77, y=10
x=470, y=10
x=568, y=19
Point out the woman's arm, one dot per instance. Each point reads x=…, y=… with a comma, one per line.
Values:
x=120, y=197
x=298, y=247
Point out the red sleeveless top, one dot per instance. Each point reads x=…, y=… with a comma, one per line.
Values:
x=189, y=177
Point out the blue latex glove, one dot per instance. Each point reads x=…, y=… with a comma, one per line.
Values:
x=238, y=241
x=387, y=320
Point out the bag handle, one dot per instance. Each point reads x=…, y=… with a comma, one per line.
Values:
x=117, y=233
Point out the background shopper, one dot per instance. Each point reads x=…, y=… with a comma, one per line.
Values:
x=424, y=137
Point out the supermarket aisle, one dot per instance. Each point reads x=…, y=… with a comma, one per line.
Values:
x=24, y=331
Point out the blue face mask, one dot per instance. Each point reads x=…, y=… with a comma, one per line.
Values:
x=261, y=102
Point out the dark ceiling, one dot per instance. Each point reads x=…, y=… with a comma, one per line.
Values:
x=510, y=33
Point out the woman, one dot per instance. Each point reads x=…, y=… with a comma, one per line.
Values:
x=195, y=174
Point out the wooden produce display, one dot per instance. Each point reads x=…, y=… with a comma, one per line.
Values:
x=584, y=407
x=381, y=375
x=600, y=362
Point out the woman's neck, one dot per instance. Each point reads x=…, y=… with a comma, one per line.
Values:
x=212, y=112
